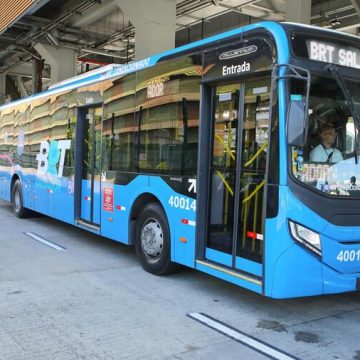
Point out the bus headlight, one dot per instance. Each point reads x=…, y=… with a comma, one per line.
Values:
x=308, y=238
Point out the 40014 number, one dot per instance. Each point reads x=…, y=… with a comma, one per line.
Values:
x=182, y=203
x=348, y=255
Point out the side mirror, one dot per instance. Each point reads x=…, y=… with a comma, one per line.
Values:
x=296, y=123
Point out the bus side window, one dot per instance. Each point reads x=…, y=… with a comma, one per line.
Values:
x=168, y=95
x=119, y=125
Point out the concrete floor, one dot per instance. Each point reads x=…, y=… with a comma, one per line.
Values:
x=94, y=301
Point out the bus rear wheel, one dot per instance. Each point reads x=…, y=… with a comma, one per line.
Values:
x=152, y=242
x=18, y=205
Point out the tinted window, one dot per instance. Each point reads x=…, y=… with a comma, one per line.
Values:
x=119, y=125
x=329, y=161
x=167, y=104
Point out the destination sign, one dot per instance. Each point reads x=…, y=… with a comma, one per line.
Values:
x=333, y=53
x=235, y=59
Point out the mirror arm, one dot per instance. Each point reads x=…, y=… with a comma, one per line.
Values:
x=288, y=71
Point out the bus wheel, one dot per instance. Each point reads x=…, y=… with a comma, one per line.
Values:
x=152, y=241
x=17, y=197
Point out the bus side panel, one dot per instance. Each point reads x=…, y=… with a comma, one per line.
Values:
x=27, y=190
x=297, y=274
x=289, y=269
x=308, y=276
x=2, y=186
x=181, y=213
x=5, y=182
x=7, y=187
x=335, y=282
x=41, y=195
x=61, y=200
x=275, y=244
x=116, y=203
x=27, y=182
x=5, y=176
x=115, y=224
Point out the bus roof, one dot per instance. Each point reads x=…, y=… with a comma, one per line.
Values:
x=326, y=31
x=115, y=70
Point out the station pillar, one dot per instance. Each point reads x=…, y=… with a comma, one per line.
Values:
x=2, y=88
x=298, y=11
x=37, y=75
x=154, y=23
x=62, y=61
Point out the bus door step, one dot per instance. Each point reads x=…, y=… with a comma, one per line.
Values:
x=87, y=226
x=220, y=269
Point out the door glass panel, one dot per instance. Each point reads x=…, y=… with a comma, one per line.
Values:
x=90, y=204
x=253, y=165
x=88, y=138
x=223, y=168
x=97, y=166
x=92, y=142
x=97, y=139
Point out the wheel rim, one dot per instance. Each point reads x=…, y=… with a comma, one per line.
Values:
x=152, y=239
x=17, y=200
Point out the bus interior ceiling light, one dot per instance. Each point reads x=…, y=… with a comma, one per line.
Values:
x=310, y=239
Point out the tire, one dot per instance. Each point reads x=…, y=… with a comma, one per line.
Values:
x=18, y=204
x=152, y=240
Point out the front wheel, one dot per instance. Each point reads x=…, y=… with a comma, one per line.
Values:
x=152, y=241
x=18, y=204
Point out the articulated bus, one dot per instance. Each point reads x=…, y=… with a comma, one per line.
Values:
x=236, y=155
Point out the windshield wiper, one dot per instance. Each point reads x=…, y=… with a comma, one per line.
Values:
x=356, y=116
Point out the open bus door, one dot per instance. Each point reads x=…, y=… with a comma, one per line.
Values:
x=232, y=177
x=88, y=177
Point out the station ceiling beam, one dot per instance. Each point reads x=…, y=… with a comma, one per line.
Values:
x=356, y=4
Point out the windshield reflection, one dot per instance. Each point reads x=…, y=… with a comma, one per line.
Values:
x=329, y=162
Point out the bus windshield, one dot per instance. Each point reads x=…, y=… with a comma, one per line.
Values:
x=330, y=160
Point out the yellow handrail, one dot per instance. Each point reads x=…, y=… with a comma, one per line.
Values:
x=254, y=192
x=245, y=208
x=228, y=150
x=255, y=219
x=262, y=148
x=228, y=187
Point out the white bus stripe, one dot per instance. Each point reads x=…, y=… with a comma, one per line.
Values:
x=44, y=241
x=248, y=340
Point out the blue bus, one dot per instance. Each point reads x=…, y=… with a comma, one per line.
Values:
x=236, y=155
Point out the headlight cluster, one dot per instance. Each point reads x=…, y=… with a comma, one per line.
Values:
x=306, y=237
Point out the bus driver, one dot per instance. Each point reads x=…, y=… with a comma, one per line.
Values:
x=325, y=151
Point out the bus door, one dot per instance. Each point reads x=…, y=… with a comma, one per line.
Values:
x=236, y=175
x=91, y=164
